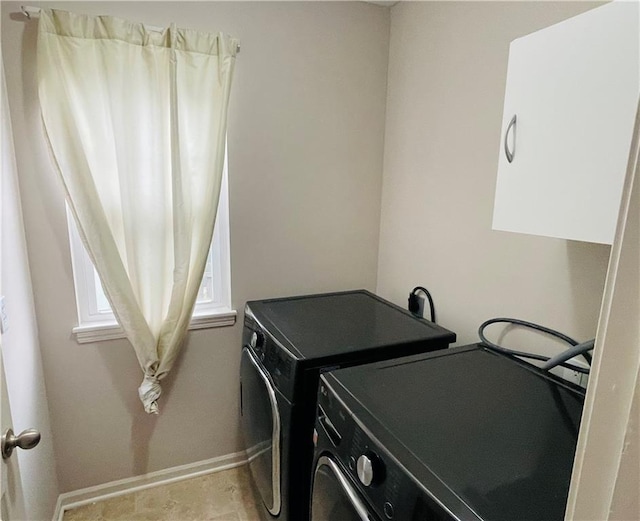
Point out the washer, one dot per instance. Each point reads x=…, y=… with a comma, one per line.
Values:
x=287, y=343
x=461, y=434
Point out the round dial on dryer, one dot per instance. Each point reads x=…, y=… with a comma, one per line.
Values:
x=370, y=469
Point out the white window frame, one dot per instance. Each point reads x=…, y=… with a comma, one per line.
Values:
x=95, y=325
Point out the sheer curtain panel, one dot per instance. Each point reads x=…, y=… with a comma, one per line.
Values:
x=136, y=122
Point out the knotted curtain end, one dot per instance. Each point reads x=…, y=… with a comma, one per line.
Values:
x=149, y=392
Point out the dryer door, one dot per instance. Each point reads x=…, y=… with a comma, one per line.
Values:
x=334, y=497
x=261, y=426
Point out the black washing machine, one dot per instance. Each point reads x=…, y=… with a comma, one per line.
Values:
x=287, y=343
x=462, y=434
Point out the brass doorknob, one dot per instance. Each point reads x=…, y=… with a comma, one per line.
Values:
x=25, y=440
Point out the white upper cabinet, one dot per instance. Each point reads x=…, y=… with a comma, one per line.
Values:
x=573, y=91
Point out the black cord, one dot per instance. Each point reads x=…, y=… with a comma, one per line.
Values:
x=533, y=356
x=413, y=295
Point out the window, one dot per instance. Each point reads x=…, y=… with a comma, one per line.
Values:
x=96, y=321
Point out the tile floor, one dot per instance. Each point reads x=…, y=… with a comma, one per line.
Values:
x=221, y=496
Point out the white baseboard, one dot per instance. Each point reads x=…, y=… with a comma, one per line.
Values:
x=85, y=496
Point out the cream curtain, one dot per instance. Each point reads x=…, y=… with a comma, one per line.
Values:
x=136, y=122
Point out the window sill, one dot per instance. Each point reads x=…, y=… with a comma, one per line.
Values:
x=112, y=331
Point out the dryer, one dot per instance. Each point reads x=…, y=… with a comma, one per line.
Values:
x=287, y=344
x=464, y=434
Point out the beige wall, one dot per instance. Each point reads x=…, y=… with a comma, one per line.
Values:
x=305, y=154
x=447, y=73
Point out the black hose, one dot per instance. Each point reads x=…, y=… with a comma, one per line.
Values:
x=533, y=356
x=580, y=349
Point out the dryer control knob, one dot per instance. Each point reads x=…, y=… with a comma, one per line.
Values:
x=370, y=469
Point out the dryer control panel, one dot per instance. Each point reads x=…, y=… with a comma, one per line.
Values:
x=276, y=360
x=386, y=487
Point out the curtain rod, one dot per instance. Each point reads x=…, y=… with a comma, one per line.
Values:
x=33, y=12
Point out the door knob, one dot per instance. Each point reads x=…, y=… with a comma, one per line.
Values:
x=25, y=440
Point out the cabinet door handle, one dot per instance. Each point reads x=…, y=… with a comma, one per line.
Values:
x=510, y=154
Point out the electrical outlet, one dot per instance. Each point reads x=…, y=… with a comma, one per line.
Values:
x=576, y=377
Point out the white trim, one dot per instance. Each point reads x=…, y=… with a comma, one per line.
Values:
x=85, y=496
x=112, y=331
x=615, y=372
x=214, y=319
